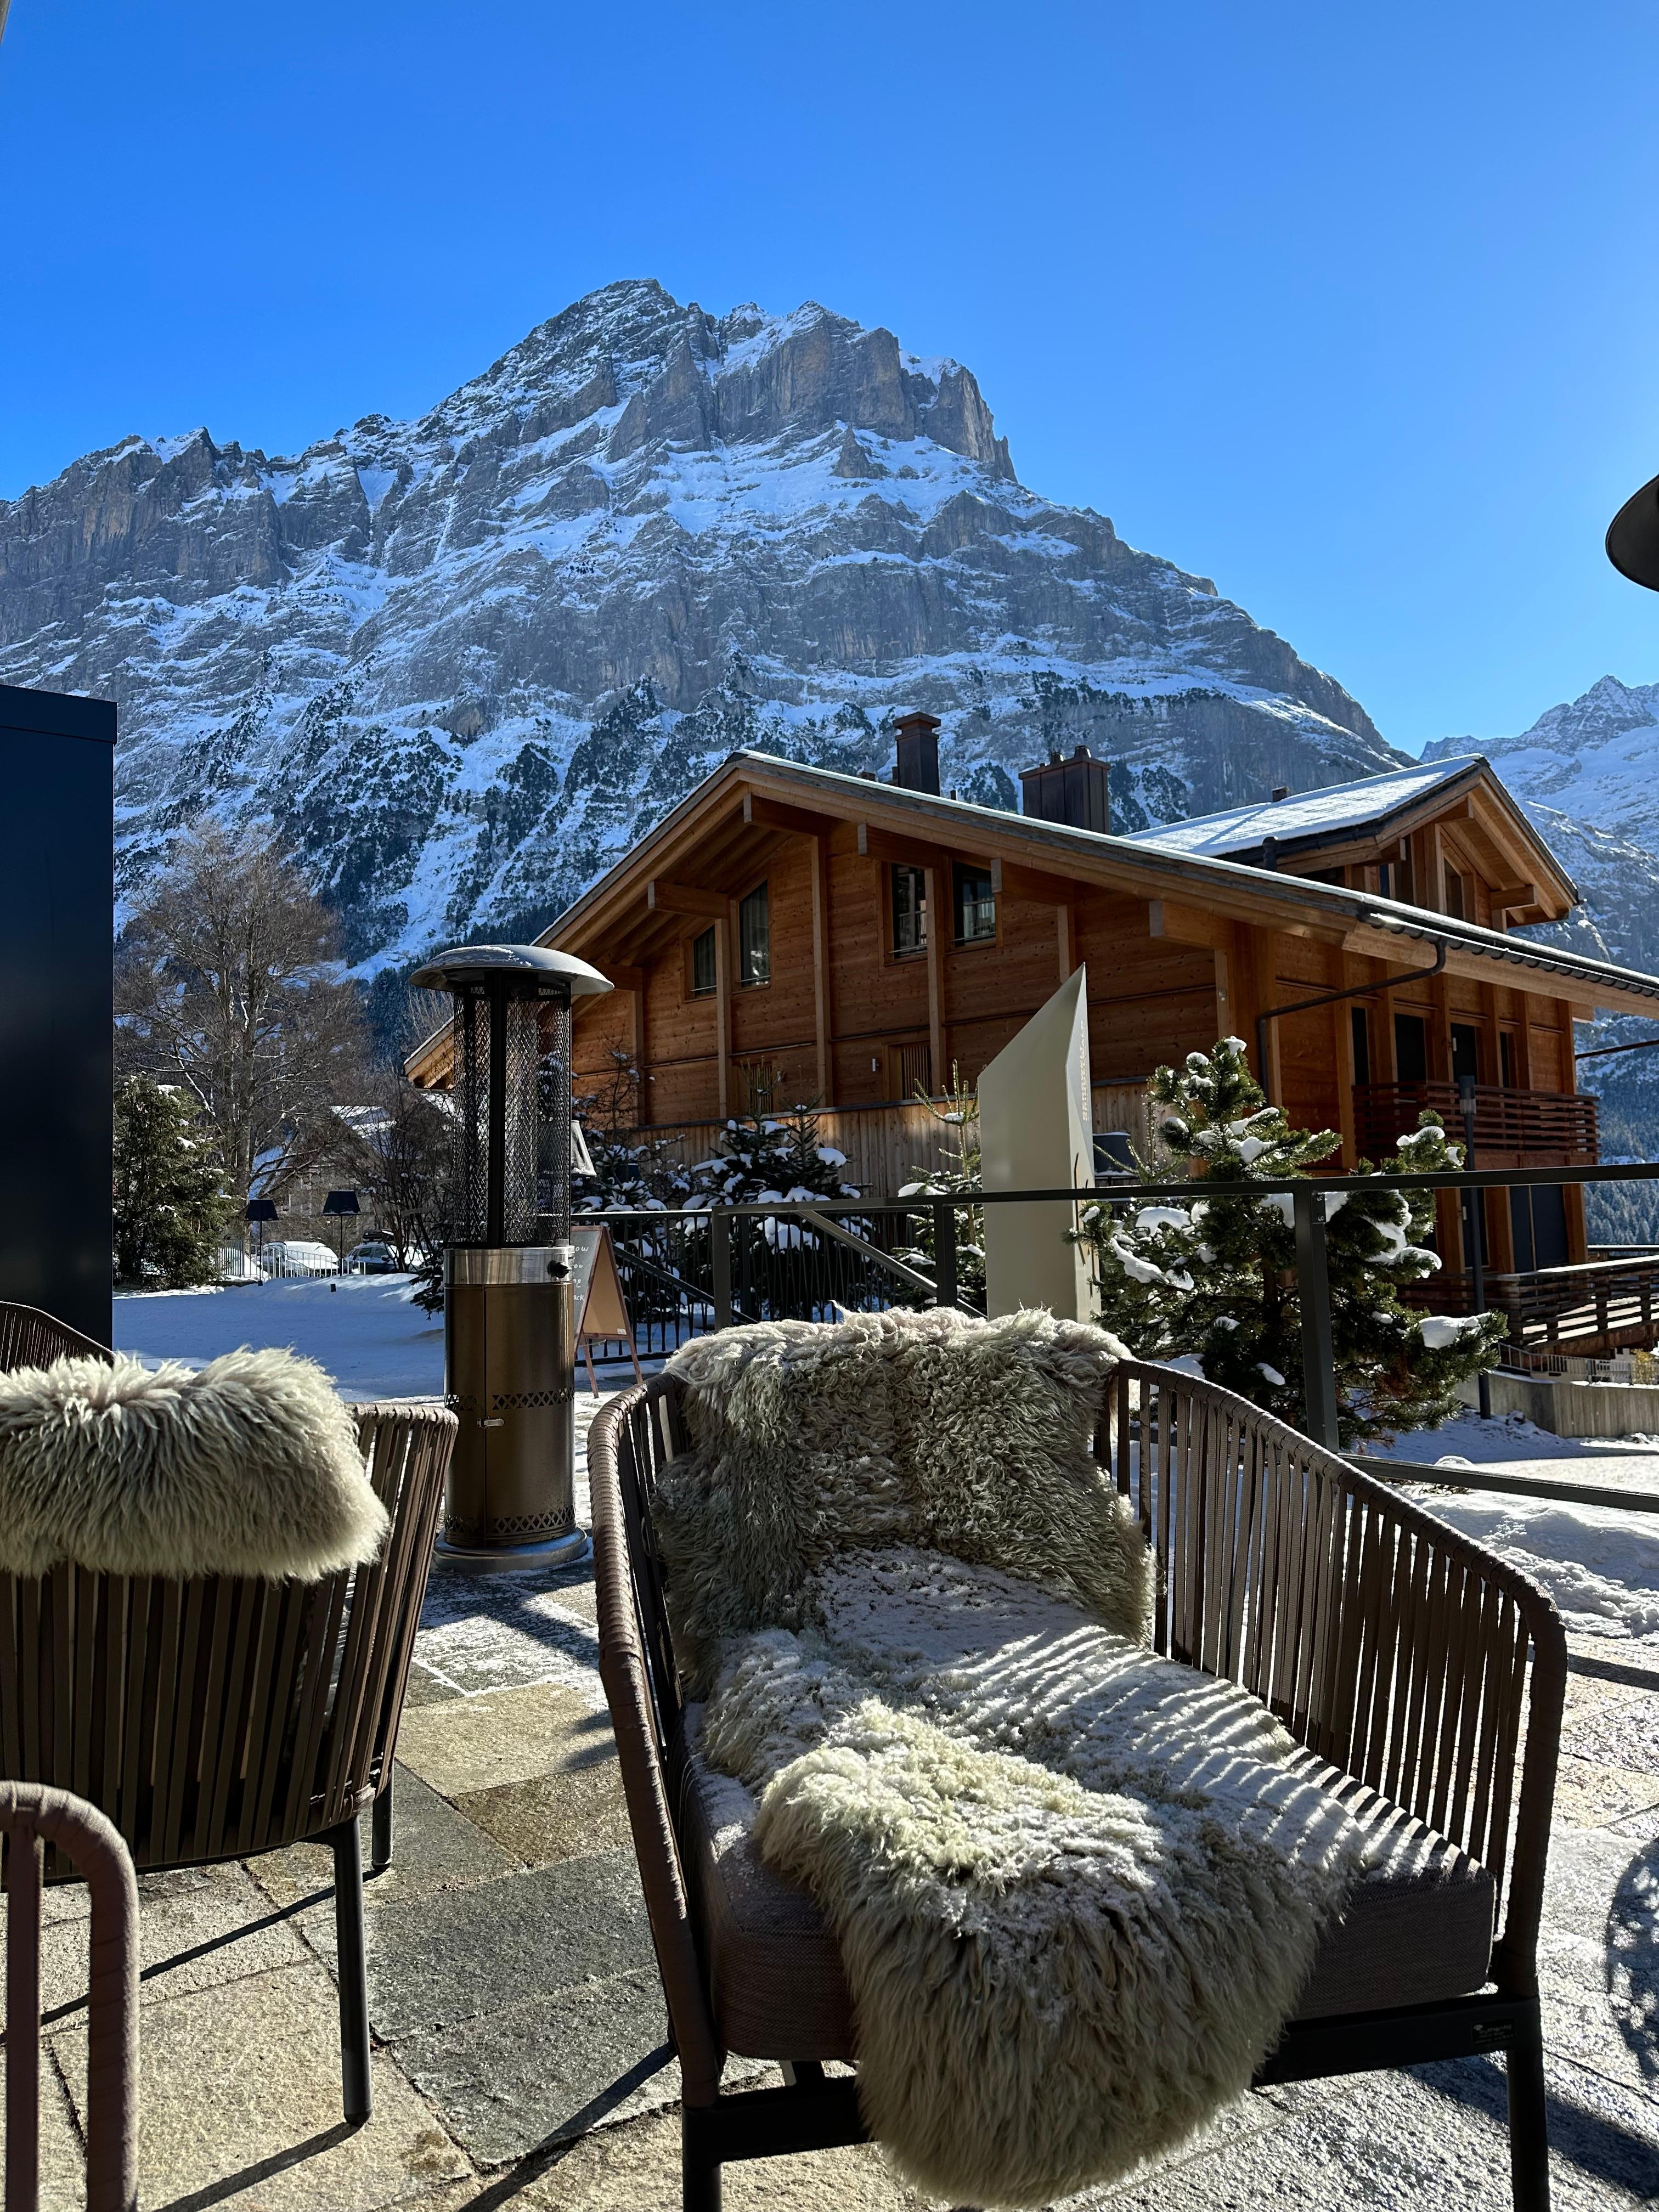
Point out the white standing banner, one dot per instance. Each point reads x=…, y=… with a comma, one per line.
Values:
x=1036, y=1133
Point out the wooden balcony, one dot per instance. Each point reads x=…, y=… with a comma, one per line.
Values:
x=1599, y=1307
x=1511, y=1127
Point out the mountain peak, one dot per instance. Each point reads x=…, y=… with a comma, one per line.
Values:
x=462, y=661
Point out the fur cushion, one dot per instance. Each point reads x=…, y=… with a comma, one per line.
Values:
x=249, y=1467
x=967, y=1436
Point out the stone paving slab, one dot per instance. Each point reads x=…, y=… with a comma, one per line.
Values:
x=433, y=1848
x=196, y=1929
x=630, y=2169
x=564, y=1815
x=503, y=1736
x=499, y=1943
x=512, y=2080
x=240, y=2100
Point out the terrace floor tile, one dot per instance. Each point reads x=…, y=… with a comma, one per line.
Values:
x=239, y=2103
x=433, y=1848
x=502, y=1736
x=512, y=2080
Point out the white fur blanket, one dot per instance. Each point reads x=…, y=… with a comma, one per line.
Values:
x=1076, y=1888
x=248, y=1466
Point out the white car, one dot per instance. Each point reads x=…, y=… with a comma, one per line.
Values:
x=300, y=1256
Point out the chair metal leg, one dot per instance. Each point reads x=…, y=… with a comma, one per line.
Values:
x=352, y=1971
x=1530, y=2146
x=380, y=1830
x=700, y=2169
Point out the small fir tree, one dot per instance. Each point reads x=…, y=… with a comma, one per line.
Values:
x=956, y=1175
x=170, y=1213
x=1217, y=1279
x=763, y=1155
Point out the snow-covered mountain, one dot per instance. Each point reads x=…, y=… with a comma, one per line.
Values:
x=1584, y=771
x=464, y=662
x=1585, y=774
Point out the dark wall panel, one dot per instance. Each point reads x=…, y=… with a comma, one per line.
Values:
x=57, y=904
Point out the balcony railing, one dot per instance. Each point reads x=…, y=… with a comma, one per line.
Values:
x=1546, y=1125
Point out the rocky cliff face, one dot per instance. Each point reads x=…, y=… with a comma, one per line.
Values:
x=462, y=662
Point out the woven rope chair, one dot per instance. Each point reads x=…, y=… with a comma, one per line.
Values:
x=29, y=1818
x=1422, y=1676
x=219, y=1717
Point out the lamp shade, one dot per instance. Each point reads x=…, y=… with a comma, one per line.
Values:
x=341, y=1202
x=1633, y=536
x=260, y=1209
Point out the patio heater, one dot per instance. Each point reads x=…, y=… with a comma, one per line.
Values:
x=509, y=1322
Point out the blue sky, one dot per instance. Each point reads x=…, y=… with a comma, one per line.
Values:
x=1352, y=310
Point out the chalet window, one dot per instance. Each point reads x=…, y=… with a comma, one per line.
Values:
x=909, y=910
x=704, y=973
x=1411, y=1048
x=1465, y=1052
x=754, y=939
x=1454, y=906
x=1506, y=1059
x=1385, y=875
x=1362, y=1044
x=977, y=906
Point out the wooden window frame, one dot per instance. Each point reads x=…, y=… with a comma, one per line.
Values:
x=993, y=937
x=891, y=953
x=745, y=981
x=693, y=988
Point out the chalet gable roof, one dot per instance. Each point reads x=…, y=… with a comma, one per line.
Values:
x=756, y=789
x=1371, y=810
x=712, y=845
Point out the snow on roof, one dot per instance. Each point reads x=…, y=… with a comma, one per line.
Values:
x=1312, y=814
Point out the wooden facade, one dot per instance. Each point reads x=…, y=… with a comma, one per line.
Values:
x=853, y=1014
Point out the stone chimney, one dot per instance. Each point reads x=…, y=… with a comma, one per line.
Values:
x=917, y=766
x=1073, y=790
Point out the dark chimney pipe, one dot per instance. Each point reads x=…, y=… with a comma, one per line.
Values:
x=1075, y=791
x=917, y=766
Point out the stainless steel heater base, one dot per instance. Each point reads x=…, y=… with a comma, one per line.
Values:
x=571, y=1551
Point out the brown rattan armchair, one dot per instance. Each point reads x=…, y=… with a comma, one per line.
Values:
x=222, y=1715
x=1422, y=1677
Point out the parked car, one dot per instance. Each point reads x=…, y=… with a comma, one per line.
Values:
x=372, y=1257
x=300, y=1256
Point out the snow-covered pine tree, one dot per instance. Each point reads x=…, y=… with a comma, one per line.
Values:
x=764, y=1154
x=956, y=1175
x=1216, y=1279
x=170, y=1212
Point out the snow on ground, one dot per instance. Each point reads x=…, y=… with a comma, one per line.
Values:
x=363, y=1329
x=1600, y=1566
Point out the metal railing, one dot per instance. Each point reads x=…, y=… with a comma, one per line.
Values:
x=1560, y=1122
x=685, y=1273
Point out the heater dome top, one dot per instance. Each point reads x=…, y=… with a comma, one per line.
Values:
x=530, y=963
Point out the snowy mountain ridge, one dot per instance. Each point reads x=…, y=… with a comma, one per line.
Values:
x=463, y=661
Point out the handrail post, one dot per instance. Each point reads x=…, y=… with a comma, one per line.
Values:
x=944, y=1253
x=719, y=1253
x=1313, y=1287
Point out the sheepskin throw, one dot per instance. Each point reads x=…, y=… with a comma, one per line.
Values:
x=248, y=1466
x=1077, y=1888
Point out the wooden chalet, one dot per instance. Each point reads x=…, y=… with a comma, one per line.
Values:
x=852, y=940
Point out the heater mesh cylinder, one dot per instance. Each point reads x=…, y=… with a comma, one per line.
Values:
x=510, y=1132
